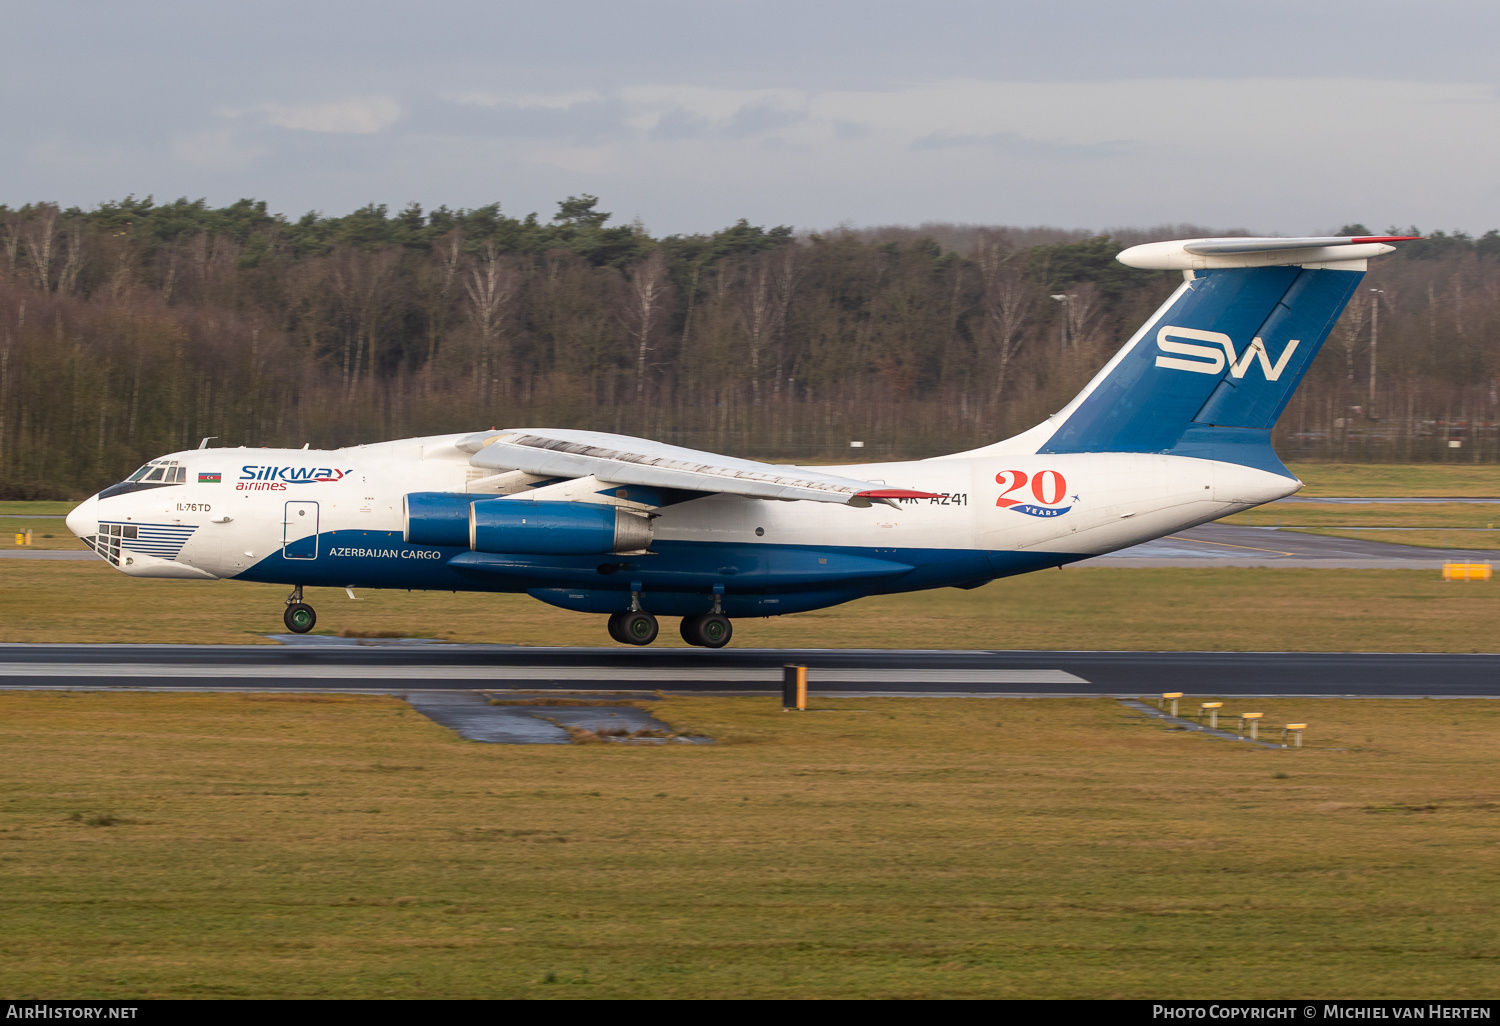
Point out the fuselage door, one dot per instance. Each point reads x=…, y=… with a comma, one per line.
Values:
x=299, y=531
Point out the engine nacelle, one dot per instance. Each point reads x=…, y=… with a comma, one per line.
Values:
x=555, y=528
x=437, y=518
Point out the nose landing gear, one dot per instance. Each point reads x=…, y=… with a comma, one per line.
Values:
x=299, y=616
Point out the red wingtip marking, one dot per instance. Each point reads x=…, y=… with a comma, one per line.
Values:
x=896, y=493
x=1386, y=238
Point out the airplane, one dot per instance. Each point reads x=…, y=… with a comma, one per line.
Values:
x=1174, y=431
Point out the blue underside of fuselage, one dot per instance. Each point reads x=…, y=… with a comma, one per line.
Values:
x=676, y=579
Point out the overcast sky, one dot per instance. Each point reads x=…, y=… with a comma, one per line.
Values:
x=1286, y=117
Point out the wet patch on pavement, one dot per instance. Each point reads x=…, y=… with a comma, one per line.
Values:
x=544, y=721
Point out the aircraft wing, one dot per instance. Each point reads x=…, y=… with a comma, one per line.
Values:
x=621, y=459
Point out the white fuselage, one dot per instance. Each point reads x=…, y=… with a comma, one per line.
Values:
x=1070, y=505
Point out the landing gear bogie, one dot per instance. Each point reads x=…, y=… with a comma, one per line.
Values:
x=633, y=628
x=708, y=630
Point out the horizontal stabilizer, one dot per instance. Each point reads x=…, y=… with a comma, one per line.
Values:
x=621, y=459
x=1212, y=254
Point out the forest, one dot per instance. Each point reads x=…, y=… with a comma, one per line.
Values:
x=135, y=329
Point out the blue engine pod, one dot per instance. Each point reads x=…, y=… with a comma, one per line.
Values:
x=555, y=528
x=437, y=518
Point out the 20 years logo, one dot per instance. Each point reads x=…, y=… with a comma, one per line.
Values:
x=1048, y=488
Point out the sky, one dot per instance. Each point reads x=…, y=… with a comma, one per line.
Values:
x=1280, y=117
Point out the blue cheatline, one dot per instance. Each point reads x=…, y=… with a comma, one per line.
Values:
x=762, y=579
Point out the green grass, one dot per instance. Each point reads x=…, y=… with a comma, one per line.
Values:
x=45, y=534
x=1396, y=479
x=36, y=509
x=1453, y=515
x=1215, y=608
x=170, y=845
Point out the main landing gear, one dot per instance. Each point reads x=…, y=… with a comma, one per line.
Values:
x=633, y=628
x=299, y=616
x=708, y=630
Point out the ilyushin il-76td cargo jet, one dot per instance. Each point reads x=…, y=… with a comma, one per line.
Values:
x=1174, y=431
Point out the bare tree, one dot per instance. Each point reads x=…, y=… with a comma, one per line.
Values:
x=1006, y=303
x=491, y=284
x=1350, y=331
x=436, y=280
x=41, y=235
x=360, y=280
x=765, y=294
x=648, y=291
x=786, y=270
x=12, y=243
x=73, y=256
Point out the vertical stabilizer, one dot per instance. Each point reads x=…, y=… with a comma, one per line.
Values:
x=1210, y=373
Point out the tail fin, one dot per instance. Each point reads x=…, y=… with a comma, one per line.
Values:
x=1210, y=373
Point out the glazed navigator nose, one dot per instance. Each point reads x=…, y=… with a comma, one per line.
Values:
x=84, y=520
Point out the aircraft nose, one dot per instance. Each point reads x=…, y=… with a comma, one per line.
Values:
x=84, y=520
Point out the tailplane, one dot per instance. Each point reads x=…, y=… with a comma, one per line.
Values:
x=1209, y=374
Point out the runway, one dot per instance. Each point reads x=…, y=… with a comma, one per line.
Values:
x=397, y=668
x=1224, y=545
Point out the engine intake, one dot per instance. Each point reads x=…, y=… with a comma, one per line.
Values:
x=437, y=518
x=555, y=528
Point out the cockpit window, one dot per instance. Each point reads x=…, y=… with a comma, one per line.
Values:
x=153, y=475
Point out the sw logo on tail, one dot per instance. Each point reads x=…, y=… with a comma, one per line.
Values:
x=1215, y=359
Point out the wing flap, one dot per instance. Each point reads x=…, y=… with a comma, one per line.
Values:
x=620, y=459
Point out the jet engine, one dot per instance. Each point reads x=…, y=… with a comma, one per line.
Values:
x=523, y=527
x=555, y=528
x=437, y=518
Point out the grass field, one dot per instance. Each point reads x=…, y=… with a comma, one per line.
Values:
x=45, y=533
x=10, y=508
x=1434, y=539
x=1441, y=525
x=1452, y=515
x=178, y=845
x=1379, y=480
x=1143, y=609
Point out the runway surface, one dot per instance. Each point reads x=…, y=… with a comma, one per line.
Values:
x=1208, y=545
x=1223, y=545
x=397, y=668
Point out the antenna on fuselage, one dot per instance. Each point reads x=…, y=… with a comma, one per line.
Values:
x=204, y=444
x=306, y=444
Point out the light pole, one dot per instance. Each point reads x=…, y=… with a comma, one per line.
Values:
x=1375, y=295
x=1063, y=299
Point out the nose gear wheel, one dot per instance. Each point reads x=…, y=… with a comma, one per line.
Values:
x=300, y=618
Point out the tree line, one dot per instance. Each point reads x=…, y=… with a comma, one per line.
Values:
x=135, y=329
